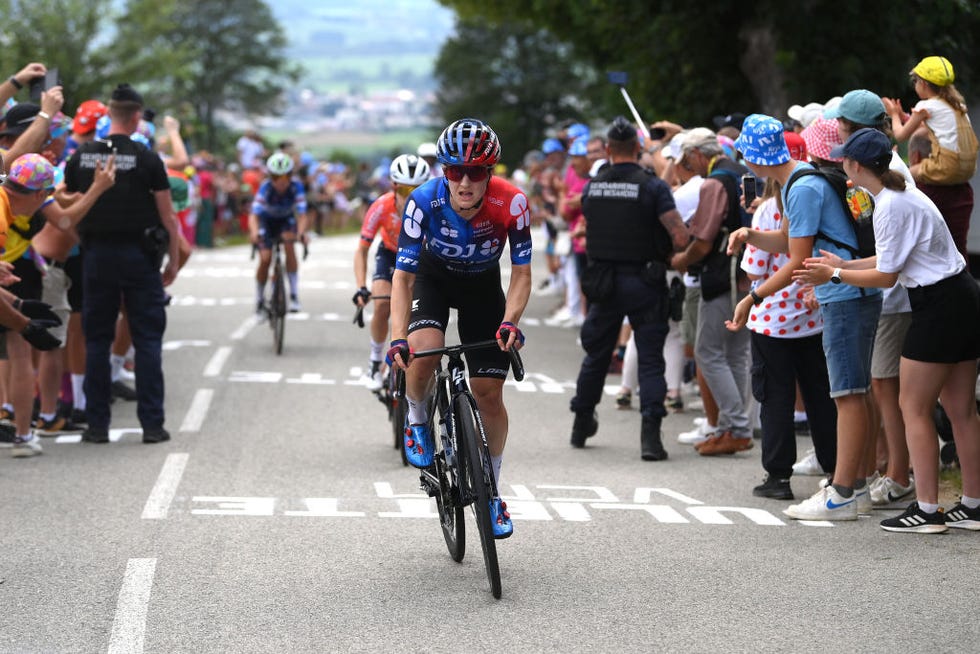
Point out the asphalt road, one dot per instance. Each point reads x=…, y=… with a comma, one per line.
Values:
x=280, y=519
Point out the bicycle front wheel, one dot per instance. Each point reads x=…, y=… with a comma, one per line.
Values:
x=278, y=309
x=476, y=459
x=450, y=509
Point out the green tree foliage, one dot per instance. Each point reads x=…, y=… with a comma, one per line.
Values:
x=690, y=60
x=65, y=34
x=517, y=78
x=209, y=54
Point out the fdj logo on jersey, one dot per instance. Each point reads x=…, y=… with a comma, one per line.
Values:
x=413, y=219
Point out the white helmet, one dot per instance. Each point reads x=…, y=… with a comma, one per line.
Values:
x=409, y=169
x=279, y=164
x=427, y=150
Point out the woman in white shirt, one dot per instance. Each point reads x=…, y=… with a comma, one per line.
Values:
x=939, y=357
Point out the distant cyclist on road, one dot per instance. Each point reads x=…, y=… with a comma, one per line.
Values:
x=452, y=238
x=278, y=210
x=384, y=216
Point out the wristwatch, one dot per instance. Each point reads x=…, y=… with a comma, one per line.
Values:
x=756, y=300
x=835, y=278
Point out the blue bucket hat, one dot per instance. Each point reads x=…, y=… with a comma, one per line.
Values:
x=579, y=147
x=552, y=145
x=859, y=106
x=761, y=141
x=578, y=130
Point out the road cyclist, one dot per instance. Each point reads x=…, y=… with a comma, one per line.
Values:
x=452, y=238
x=278, y=211
x=384, y=217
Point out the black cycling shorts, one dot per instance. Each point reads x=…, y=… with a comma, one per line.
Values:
x=479, y=302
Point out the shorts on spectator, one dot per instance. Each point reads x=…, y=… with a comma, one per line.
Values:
x=889, y=340
x=945, y=321
x=848, y=338
x=55, y=292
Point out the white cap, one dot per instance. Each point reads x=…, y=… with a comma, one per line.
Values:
x=427, y=150
x=806, y=114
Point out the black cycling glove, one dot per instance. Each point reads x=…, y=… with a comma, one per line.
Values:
x=38, y=336
x=37, y=310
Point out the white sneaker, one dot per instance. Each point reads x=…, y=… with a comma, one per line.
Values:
x=294, y=305
x=825, y=504
x=374, y=382
x=863, y=499
x=561, y=316
x=889, y=491
x=28, y=448
x=699, y=434
x=808, y=465
x=126, y=375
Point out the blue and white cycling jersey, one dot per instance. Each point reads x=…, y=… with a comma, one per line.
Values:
x=465, y=246
x=269, y=205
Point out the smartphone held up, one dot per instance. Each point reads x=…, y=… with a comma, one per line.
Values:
x=38, y=85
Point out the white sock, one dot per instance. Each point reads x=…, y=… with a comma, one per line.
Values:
x=293, y=278
x=23, y=438
x=47, y=416
x=495, y=462
x=928, y=508
x=799, y=416
x=418, y=411
x=77, y=392
x=8, y=406
x=376, y=351
x=260, y=291
x=117, y=362
x=970, y=502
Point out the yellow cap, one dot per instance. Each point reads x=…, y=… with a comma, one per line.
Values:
x=935, y=70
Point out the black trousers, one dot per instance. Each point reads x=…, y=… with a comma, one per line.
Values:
x=645, y=305
x=778, y=364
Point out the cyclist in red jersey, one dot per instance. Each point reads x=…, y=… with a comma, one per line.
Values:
x=452, y=238
x=384, y=216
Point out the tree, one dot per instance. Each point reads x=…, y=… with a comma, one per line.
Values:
x=62, y=34
x=517, y=78
x=691, y=60
x=210, y=54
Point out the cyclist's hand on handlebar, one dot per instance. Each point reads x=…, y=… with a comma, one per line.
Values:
x=508, y=335
x=399, y=354
x=361, y=297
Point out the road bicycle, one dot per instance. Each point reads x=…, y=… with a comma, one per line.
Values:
x=461, y=473
x=389, y=394
x=277, y=307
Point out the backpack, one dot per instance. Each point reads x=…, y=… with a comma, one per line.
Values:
x=857, y=203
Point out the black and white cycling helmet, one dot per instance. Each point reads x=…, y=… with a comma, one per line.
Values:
x=409, y=170
x=279, y=164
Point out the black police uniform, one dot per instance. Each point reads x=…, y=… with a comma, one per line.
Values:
x=627, y=248
x=122, y=262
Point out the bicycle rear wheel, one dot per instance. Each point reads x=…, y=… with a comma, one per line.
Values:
x=478, y=468
x=278, y=308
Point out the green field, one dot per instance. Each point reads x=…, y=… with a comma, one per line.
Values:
x=368, y=73
x=360, y=145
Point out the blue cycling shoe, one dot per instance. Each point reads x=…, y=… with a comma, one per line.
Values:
x=419, y=447
x=500, y=519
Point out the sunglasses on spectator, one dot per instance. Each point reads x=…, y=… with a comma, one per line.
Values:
x=475, y=173
x=404, y=190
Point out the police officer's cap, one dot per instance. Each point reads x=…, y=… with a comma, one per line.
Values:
x=621, y=130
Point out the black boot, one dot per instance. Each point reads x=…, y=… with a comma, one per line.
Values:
x=651, y=446
x=585, y=426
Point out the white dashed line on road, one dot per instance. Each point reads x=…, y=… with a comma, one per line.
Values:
x=198, y=410
x=158, y=504
x=217, y=361
x=129, y=624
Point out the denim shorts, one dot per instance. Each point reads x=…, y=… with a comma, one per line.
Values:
x=848, y=338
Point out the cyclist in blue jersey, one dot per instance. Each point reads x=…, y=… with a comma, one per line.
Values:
x=278, y=210
x=453, y=233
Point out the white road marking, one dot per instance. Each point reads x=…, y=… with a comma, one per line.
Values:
x=198, y=410
x=158, y=503
x=245, y=328
x=129, y=624
x=217, y=362
x=176, y=345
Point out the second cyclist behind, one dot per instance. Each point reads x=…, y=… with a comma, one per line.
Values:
x=384, y=216
x=278, y=211
x=452, y=238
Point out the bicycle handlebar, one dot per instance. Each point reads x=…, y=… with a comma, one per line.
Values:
x=359, y=311
x=516, y=364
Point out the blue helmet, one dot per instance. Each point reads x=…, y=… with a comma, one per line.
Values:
x=468, y=142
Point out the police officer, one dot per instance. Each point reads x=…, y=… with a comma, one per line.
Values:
x=632, y=227
x=124, y=238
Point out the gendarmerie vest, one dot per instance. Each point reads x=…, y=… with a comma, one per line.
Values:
x=622, y=214
x=124, y=212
